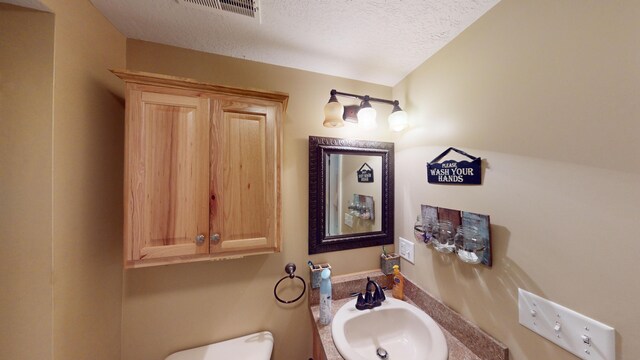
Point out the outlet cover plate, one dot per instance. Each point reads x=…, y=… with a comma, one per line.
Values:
x=407, y=249
x=574, y=332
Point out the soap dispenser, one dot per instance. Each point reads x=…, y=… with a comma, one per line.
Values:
x=325, y=297
x=398, y=283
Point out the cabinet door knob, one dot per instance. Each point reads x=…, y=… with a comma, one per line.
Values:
x=200, y=239
x=214, y=238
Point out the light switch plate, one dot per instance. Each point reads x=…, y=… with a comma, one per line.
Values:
x=576, y=333
x=407, y=249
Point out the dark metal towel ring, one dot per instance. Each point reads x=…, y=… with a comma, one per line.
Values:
x=291, y=270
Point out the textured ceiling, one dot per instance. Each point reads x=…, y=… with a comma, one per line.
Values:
x=378, y=41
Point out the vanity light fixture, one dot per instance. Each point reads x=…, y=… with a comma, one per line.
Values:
x=365, y=115
x=333, y=112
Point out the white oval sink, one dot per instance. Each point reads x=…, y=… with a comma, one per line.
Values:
x=402, y=330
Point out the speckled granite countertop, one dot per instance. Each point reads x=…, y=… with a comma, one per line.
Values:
x=465, y=340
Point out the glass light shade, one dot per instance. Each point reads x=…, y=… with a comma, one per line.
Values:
x=398, y=120
x=333, y=114
x=367, y=118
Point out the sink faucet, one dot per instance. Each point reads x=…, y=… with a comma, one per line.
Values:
x=372, y=297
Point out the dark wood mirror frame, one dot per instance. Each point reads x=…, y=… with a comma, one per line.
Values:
x=319, y=147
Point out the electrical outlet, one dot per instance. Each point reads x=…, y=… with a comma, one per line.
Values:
x=407, y=249
x=574, y=332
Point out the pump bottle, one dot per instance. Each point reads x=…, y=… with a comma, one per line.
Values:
x=398, y=283
x=325, y=297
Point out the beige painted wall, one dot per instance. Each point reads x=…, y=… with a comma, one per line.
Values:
x=547, y=92
x=170, y=308
x=87, y=183
x=26, y=113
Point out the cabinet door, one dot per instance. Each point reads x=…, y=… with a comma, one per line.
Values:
x=167, y=187
x=245, y=182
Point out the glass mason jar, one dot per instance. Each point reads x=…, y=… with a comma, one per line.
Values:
x=428, y=226
x=469, y=244
x=442, y=236
x=418, y=230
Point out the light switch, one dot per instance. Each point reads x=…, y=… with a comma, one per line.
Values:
x=407, y=249
x=576, y=333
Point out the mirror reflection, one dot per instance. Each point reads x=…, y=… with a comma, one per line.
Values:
x=354, y=193
x=350, y=194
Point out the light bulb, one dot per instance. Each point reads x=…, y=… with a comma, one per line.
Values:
x=333, y=114
x=367, y=117
x=398, y=120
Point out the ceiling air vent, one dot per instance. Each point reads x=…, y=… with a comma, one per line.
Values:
x=247, y=8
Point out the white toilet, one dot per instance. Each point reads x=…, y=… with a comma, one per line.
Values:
x=256, y=346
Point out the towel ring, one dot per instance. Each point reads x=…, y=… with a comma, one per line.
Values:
x=290, y=269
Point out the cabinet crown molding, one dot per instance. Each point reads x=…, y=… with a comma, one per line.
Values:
x=141, y=77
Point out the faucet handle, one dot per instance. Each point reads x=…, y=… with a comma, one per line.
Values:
x=360, y=303
x=382, y=297
x=378, y=297
x=367, y=297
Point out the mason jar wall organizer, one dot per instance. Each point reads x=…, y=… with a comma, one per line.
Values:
x=469, y=244
x=463, y=233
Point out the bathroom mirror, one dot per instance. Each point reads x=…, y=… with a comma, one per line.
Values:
x=350, y=194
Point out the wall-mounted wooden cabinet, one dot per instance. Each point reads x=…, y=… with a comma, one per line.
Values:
x=203, y=170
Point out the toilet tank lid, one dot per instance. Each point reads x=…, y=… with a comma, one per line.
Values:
x=256, y=346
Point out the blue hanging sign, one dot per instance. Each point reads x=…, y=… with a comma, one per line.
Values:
x=455, y=172
x=365, y=175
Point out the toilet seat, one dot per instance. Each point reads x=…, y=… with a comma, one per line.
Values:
x=256, y=346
